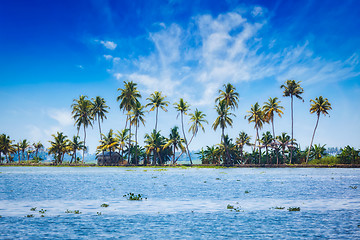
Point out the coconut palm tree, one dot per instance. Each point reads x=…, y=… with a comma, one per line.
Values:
x=197, y=119
x=24, y=145
x=241, y=141
x=122, y=138
x=182, y=107
x=154, y=144
x=157, y=100
x=318, y=151
x=284, y=141
x=38, y=146
x=17, y=147
x=212, y=153
x=59, y=146
x=223, y=119
x=256, y=115
x=108, y=143
x=74, y=145
x=267, y=141
x=175, y=141
x=99, y=110
x=137, y=117
x=271, y=108
x=6, y=147
x=81, y=111
x=318, y=106
x=291, y=89
x=229, y=96
x=129, y=96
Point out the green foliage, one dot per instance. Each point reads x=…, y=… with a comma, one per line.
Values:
x=42, y=211
x=280, y=208
x=33, y=209
x=77, y=212
x=353, y=187
x=98, y=213
x=294, y=209
x=349, y=155
x=134, y=197
x=29, y=215
x=104, y=205
x=68, y=211
x=328, y=160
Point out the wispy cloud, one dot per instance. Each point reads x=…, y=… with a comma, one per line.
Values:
x=108, y=44
x=211, y=51
x=62, y=116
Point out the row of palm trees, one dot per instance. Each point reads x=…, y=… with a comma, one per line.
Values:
x=23, y=149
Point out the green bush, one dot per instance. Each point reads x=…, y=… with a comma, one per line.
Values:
x=327, y=160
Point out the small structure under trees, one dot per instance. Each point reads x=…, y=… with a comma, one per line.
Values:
x=105, y=159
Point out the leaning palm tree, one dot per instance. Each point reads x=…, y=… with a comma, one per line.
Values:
x=229, y=96
x=82, y=114
x=271, y=108
x=241, y=141
x=223, y=119
x=156, y=101
x=256, y=116
x=175, y=141
x=6, y=147
x=182, y=107
x=99, y=110
x=137, y=117
x=291, y=89
x=74, y=145
x=197, y=119
x=320, y=105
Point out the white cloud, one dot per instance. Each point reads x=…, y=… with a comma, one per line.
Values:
x=62, y=116
x=109, y=45
x=108, y=57
x=118, y=76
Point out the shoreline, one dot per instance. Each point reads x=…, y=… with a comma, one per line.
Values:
x=187, y=165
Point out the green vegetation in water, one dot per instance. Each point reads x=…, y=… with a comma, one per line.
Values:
x=222, y=172
x=104, y=205
x=205, y=181
x=231, y=208
x=42, y=211
x=68, y=211
x=353, y=187
x=98, y=213
x=33, y=209
x=294, y=209
x=130, y=170
x=246, y=191
x=160, y=170
x=29, y=215
x=77, y=212
x=154, y=177
x=280, y=208
x=42, y=215
x=134, y=197
x=217, y=179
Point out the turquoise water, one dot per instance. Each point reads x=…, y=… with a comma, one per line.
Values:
x=181, y=203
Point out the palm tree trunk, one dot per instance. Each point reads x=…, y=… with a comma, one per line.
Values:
x=187, y=147
x=129, y=149
x=136, y=145
x=174, y=154
x=84, y=146
x=99, y=128
x=277, y=153
x=312, y=139
x=156, y=119
x=18, y=155
x=292, y=128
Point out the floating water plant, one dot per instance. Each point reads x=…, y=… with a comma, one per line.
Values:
x=33, y=209
x=133, y=197
x=104, y=205
x=230, y=206
x=281, y=208
x=29, y=215
x=68, y=211
x=42, y=215
x=77, y=212
x=217, y=178
x=98, y=213
x=294, y=209
x=246, y=191
x=42, y=211
x=353, y=187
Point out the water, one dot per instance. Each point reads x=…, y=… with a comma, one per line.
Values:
x=181, y=203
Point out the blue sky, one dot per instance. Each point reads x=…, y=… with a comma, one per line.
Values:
x=53, y=51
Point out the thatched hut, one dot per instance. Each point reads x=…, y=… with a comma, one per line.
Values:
x=104, y=159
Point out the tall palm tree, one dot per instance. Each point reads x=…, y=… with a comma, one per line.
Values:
x=291, y=89
x=38, y=146
x=223, y=119
x=271, y=108
x=74, y=145
x=108, y=142
x=229, y=96
x=137, y=117
x=267, y=141
x=154, y=144
x=241, y=141
x=24, y=145
x=320, y=105
x=175, y=141
x=182, y=107
x=6, y=147
x=122, y=137
x=59, y=146
x=18, y=149
x=99, y=110
x=256, y=115
x=197, y=119
x=156, y=101
x=81, y=111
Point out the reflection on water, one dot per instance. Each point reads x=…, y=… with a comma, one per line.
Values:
x=181, y=203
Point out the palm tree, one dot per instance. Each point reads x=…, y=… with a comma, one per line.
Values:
x=271, y=108
x=98, y=110
x=24, y=144
x=242, y=140
x=256, y=115
x=74, y=146
x=6, y=147
x=175, y=141
x=59, y=146
x=284, y=141
x=154, y=144
x=182, y=107
x=137, y=117
x=291, y=89
x=223, y=118
x=267, y=140
x=156, y=101
x=38, y=146
x=229, y=96
x=122, y=137
x=211, y=153
x=318, y=151
x=320, y=105
x=108, y=142
x=82, y=114
x=18, y=148
x=197, y=119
